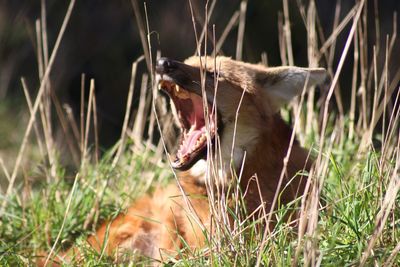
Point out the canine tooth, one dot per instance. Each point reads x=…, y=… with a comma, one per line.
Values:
x=183, y=94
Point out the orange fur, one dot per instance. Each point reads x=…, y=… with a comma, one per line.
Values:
x=156, y=225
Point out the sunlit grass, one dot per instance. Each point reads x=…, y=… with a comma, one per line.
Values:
x=355, y=184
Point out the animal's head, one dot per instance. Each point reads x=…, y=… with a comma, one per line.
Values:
x=258, y=90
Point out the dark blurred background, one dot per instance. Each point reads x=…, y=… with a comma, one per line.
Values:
x=102, y=40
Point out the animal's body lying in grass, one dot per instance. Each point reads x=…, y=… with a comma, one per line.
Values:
x=247, y=99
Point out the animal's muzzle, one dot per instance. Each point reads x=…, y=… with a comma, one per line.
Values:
x=165, y=65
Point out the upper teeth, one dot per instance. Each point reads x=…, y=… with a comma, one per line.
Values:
x=183, y=94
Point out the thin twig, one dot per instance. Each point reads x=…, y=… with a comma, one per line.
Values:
x=37, y=103
x=142, y=33
x=140, y=120
x=232, y=22
x=29, y=102
x=96, y=130
x=282, y=174
x=242, y=23
x=64, y=220
x=87, y=124
x=127, y=111
x=335, y=79
x=82, y=114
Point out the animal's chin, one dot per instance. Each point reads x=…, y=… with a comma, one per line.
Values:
x=195, y=129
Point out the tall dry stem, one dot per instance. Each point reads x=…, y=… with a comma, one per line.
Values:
x=37, y=102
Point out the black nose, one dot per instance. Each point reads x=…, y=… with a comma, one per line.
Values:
x=165, y=65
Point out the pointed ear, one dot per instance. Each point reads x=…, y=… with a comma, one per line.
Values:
x=282, y=84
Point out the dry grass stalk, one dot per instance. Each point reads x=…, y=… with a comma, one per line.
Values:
x=203, y=22
x=150, y=59
x=264, y=59
x=334, y=35
x=391, y=88
x=95, y=129
x=320, y=173
x=82, y=114
x=218, y=205
x=232, y=22
x=140, y=120
x=87, y=124
x=377, y=24
x=287, y=51
x=191, y=212
x=48, y=90
x=267, y=230
x=360, y=7
x=329, y=58
x=353, y=100
x=44, y=106
x=65, y=217
x=127, y=112
x=209, y=12
x=392, y=126
x=282, y=42
x=386, y=207
x=363, y=121
x=390, y=260
x=6, y=173
x=385, y=94
x=43, y=19
x=374, y=104
x=205, y=105
x=142, y=33
x=312, y=43
x=72, y=122
x=287, y=33
x=303, y=218
x=29, y=102
x=72, y=143
x=336, y=20
x=154, y=92
x=37, y=103
x=242, y=23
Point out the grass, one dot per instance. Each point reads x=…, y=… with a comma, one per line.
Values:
x=351, y=217
x=32, y=220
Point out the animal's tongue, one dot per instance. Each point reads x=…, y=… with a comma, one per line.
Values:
x=193, y=111
x=189, y=144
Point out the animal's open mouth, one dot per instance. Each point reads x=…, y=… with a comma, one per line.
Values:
x=190, y=112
